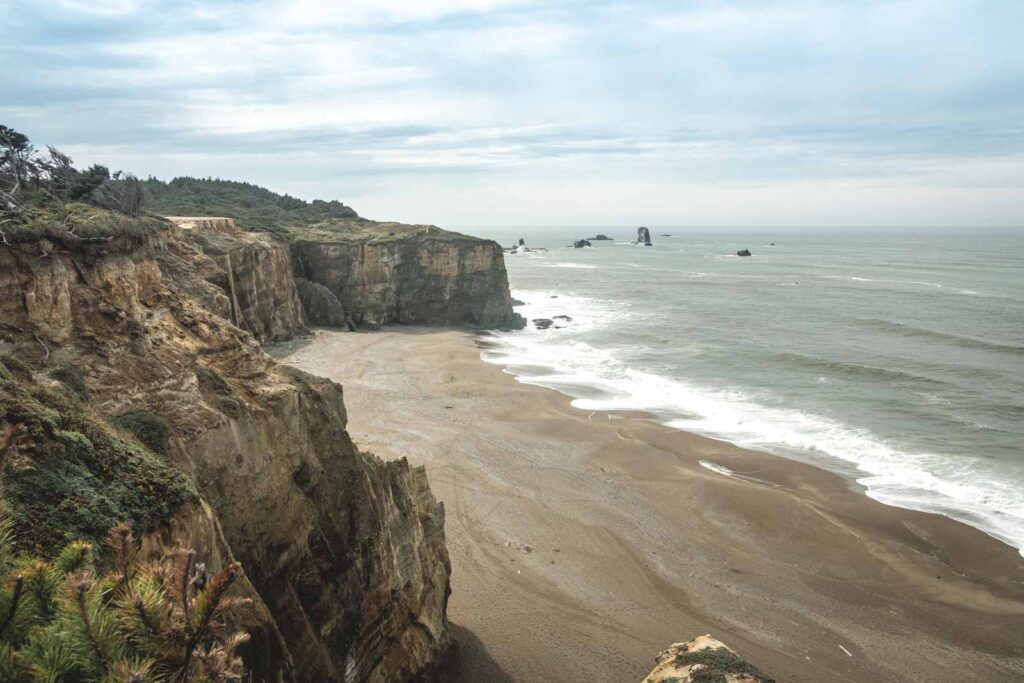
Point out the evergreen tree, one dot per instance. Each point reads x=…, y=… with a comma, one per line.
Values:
x=64, y=621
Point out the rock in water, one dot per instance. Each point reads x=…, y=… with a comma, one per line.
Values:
x=601, y=238
x=703, y=659
x=579, y=244
x=743, y=252
x=542, y=323
x=643, y=236
x=522, y=242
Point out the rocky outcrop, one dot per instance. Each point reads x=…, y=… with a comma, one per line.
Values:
x=409, y=274
x=743, y=252
x=321, y=306
x=703, y=659
x=643, y=236
x=345, y=551
x=601, y=238
x=579, y=244
x=252, y=270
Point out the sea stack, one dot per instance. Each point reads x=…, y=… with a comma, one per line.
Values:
x=743, y=252
x=643, y=236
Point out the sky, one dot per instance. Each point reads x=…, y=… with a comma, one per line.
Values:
x=470, y=113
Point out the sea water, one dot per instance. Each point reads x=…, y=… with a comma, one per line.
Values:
x=893, y=357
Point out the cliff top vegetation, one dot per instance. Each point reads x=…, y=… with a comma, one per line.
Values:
x=43, y=195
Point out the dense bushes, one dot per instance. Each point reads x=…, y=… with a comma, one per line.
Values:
x=72, y=477
x=252, y=207
x=150, y=429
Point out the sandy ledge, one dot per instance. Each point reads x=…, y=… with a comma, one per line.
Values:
x=633, y=545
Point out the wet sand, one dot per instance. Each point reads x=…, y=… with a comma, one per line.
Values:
x=584, y=543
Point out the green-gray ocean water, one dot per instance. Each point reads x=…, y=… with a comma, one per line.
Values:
x=894, y=357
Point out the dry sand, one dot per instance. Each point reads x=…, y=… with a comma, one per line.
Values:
x=584, y=543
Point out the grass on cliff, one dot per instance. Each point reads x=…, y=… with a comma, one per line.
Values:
x=68, y=223
x=262, y=210
x=68, y=475
x=253, y=207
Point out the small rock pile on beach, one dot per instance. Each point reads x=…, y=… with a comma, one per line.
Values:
x=703, y=659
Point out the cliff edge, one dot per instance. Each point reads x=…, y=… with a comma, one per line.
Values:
x=345, y=552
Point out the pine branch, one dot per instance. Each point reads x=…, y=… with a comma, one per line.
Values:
x=19, y=583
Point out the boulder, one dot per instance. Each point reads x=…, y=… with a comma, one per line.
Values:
x=643, y=236
x=579, y=244
x=743, y=252
x=542, y=323
x=703, y=659
x=321, y=306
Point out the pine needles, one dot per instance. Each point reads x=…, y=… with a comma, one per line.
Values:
x=159, y=622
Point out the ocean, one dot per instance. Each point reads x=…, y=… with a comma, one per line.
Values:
x=895, y=358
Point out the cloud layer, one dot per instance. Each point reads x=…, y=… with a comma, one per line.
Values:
x=870, y=112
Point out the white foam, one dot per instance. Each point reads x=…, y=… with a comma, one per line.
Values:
x=715, y=467
x=848, y=278
x=961, y=487
x=566, y=264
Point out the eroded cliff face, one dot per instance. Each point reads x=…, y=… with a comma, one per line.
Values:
x=410, y=274
x=346, y=551
x=253, y=272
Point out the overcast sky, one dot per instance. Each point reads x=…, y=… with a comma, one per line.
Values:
x=521, y=112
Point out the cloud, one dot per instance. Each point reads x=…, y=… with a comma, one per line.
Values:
x=363, y=101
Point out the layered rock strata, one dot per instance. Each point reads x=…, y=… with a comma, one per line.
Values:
x=345, y=551
x=410, y=275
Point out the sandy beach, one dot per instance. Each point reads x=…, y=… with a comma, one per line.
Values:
x=584, y=543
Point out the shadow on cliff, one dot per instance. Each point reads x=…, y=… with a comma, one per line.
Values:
x=468, y=661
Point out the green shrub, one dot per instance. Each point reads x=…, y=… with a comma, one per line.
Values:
x=62, y=620
x=229, y=406
x=73, y=378
x=149, y=428
x=72, y=477
x=716, y=664
x=18, y=368
x=210, y=382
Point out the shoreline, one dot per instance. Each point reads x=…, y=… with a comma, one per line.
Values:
x=584, y=543
x=841, y=468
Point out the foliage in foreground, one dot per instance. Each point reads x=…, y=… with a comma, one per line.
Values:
x=64, y=621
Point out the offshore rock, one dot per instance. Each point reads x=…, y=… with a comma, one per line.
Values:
x=743, y=252
x=345, y=551
x=579, y=244
x=643, y=236
x=409, y=275
x=703, y=659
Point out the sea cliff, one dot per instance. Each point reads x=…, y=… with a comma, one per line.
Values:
x=344, y=554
